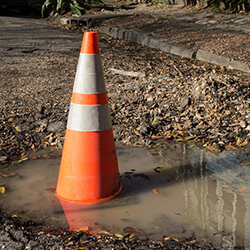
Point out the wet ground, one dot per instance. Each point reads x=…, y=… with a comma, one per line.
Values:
x=182, y=192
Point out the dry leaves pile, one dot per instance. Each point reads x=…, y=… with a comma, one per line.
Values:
x=171, y=98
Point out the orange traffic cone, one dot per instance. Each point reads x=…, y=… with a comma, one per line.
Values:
x=89, y=170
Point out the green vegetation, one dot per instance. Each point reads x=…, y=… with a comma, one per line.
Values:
x=64, y=6
x=229, y=4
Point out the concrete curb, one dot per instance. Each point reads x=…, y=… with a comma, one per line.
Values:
x=152, y=42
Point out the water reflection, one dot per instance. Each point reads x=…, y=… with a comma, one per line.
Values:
x=201, y=203
x=179, y=193
x=214, y=205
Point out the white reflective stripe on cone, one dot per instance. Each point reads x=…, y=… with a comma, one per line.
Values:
x=89, y=117
x=89, y=76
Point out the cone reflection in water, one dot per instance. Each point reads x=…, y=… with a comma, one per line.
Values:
x=80, y=217
x=89, y=169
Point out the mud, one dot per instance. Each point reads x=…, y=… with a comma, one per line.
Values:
x=183, y=193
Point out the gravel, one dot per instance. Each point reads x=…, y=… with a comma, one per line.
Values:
x=16, y=233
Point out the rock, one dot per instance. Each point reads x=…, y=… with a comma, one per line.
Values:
x=150, y=99
x=3, y=158
x=56, y=126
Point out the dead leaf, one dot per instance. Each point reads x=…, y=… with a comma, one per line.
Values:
x=119, y=236
x=23, y=159
x=136, y=144
x=7, y=175
x=242, y=188
x=46, y=156
x=244, y=143
x=132, y=235
x=84, y=229
x=239, y=141
x=17, y=128
x=131, y=230
x=157, y=137
x=4, y=175
x=33, y=157
x=137, y=133
x=229, y=147
x=184, y=134
x=210, y=149
x=245, y=163
x=156, y=191
x=47, y=136
x=179, y=127
x=2, y=190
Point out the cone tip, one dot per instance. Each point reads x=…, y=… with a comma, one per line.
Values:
x=90, y=43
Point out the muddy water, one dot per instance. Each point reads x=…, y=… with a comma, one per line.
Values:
x=179, y=192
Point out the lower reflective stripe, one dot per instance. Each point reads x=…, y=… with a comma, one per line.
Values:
x=89, y=117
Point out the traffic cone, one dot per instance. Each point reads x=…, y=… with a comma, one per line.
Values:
x=89, y=169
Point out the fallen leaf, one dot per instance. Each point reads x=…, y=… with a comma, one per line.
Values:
x=229, y=147
x=137, y=133
x=167, y=238
x=4, y=175
x=179, y=138
x=184, y=134
x=83, y=229
x=2, y=190
x=155, y=121
x=17, y=128
x=235, y=134
x=244, y=143
x=23, y=159
x=33, y=157
x=132, y=235
x=157, y=137
x=7, y=175
x=46, y=156
x=118, y=236
x=239, y=141
x=245, y=163
x=156, y=191
x=157, y=169
x=209, y=148
x=136, y=144
x=48, y=136
x=141, y=176
x=179, y=126
x=191, y=138
x=242, y=188
x=25, y=217
x=131, y=230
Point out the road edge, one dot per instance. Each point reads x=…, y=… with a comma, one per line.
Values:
x=174, y=49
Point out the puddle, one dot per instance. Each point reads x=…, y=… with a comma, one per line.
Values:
x=181, y=192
